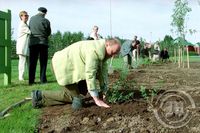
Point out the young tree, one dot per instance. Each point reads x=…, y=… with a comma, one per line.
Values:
x=178, y=22
x=179, y=16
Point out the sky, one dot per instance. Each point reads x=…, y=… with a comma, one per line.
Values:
x=149, y=19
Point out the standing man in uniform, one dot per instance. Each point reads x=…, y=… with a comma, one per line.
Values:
x=41, y=30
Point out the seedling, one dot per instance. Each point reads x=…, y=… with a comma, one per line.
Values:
x=116, y=94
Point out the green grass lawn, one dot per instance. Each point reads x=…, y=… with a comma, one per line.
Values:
x=24, y=119
x=192, y=58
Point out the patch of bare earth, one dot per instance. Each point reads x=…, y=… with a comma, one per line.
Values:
x=134, y=116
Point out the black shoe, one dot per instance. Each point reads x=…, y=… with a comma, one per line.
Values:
x=36, y=98
x=43, y=82
x=31, y=83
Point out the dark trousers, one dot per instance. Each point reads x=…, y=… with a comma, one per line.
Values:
x=64, y=95
x=41, y=52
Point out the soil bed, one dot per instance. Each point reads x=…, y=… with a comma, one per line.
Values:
x=133, y=116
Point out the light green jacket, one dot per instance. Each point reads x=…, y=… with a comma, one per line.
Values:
x=84, y=60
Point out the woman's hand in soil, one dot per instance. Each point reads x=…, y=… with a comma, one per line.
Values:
x=100, y=103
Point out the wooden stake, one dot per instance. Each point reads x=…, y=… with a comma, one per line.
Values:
x=179, y=57
x=188, y=59
x=175, y=55
x=183, y=57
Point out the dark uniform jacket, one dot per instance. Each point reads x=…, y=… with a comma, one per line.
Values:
x=40, y=29
x=164, y=54
x=137, y=44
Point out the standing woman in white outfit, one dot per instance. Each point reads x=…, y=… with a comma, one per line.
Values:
x=22, y=43
x=94, y=34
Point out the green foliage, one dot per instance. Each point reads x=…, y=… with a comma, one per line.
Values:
x=58, y=40
x=167, y=42
x=142, y=41
x=154, y=92
x=123, y=74
x=13, y=49
x=179, y=15
x=117, y=94
x=142, y=62
x=118, y=63
x=191, y=53
x=146, y=94
x=146, y=62
x=22, y=119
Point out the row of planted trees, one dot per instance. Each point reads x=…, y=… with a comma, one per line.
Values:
x=180, y=53
x=178, y=48
x=180, y=12
x=179, y=15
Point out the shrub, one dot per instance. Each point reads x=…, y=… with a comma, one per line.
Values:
x=118, y=95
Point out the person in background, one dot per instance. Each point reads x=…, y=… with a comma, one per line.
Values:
x=164, y=54
x=135, y=48
x=22, y=49
x=94, y=34
x=76, y=68
x=40, y=31
x=156, y=52
x=126, y=53
x=145, y=51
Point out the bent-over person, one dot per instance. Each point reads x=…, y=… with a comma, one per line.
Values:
x=76, y=68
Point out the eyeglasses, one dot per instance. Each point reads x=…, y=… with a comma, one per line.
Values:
x=26, y=15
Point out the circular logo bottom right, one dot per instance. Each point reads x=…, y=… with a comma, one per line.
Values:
x=172, y=109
